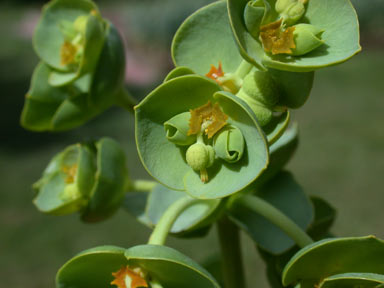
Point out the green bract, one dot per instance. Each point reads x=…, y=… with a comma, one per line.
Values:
x=326, y=262
x=89, y=178
x=166, y=161
x=159, y=264
x=337, y=18
x=82, y=94
x=205, y=39
x=194, y=221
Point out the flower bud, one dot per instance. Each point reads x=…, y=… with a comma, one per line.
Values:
x=85, y=178
x=67, y=181
x=177, y=130
x=307, y=38
x=290, y=10
x=229, y=144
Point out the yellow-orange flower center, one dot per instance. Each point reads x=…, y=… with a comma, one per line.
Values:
x=67, y=53
x=215, y=73
x=70, y=171
x=276, y=39
x=136, y=279
x=209, y=118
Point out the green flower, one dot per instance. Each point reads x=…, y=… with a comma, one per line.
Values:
x=266, y=37
x=82, y=67
x=139, y=266
x=86, y=178
x=200, y=167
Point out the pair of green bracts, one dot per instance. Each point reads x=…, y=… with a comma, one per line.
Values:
x=81, y=72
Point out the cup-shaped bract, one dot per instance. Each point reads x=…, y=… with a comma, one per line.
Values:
x=110, y=266
x=87, y=93
x=338, y=262
x=86, y=178
x=205, y=39
x=272, y=41
x=69, y=37
x=166, y=161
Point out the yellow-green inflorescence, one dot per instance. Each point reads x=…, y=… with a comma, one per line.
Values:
x=209, y=136
x=284, y=36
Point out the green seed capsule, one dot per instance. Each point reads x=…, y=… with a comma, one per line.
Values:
x=229, y=144
x=177, y=128
x=200, y=157
x=307, y=38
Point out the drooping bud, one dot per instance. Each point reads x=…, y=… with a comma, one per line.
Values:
x=307, y=38
x=290, y=10
x=85, y=178
x=253, y=16
x=260, y=92
x=200, y=157
x=67, y=181
x=177, y=130
x=229, y=144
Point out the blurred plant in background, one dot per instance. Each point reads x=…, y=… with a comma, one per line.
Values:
x=357, y=168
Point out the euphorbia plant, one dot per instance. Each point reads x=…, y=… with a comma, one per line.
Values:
x=215, y=136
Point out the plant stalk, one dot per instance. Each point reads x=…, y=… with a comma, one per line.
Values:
x=125, y=100
x=243, y=69
x=164, y=226
x=276, y=217
x=232, y=263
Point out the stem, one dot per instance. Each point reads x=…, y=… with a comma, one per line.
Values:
x=243, y=69
x=142, y=185
x=161, y=231
x=125, y=100
x=232, y=264
x=278, y=218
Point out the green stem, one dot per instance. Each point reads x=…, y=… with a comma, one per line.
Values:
x=163, y=227
x=142, y=185
x=125, y=100
x=243, y=69
x=232, y=264
x=275, y=216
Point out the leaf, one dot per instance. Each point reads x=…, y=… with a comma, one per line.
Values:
x=363, y=280
x=169, y=267
x=205, y=39
x=91, y=268
x=111, y=176
x=177, y=72
x=325, y=215
x=329, y=257
x=134, y=204
x=285, y=194
x=276, y=127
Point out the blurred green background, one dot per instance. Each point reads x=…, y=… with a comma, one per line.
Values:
x=340, y=157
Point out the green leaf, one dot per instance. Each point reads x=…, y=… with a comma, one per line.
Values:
x=135, y=203
x=325, y=215
x=294, y=87
x=177, y=72
x=195, y=217
x=280, y=153
x=346, y=280
x=335, y=256
x=253, y=162
x=91, y=268
x=205, y=39
x=169, y=267
x=285, y=194
x=276, y=127
x=110, y=181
